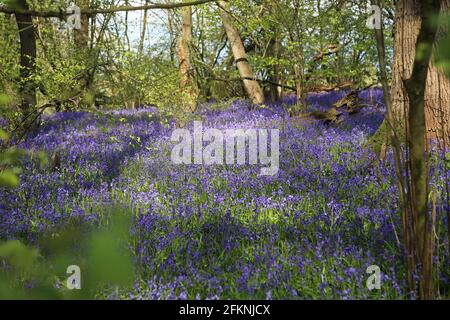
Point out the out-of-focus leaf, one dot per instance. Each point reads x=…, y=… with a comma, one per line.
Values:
x=43, y=157
x=441, y=56
x=13, y=4
x=19, y=255
x=4, y=99
x=109, y=259
x=3, y=135
x=8, y=179
x=11, y=156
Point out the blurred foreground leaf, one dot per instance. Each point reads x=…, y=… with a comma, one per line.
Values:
x=102, y=255
x=109, y=258
x=3, y=135
x=441, y=57
x=8, y=179
x=4, y=99
x=20, y=256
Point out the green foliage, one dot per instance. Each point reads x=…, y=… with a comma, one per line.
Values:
x=4, y=99
x=109, y=258
x=441, y=56
x=379, y=138
x=277, y=38
x=8, y=178
x=13, y=4
x=40, y=272
x=304, y=33
x=8, y=157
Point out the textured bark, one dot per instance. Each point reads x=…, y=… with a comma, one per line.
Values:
x=184, y=53
x=437, y=92
x=418, y=90
x=415, y=88
x=252, y=87
x=27, y=68
x=82, y=35
x=392, y=138
x=184, y=45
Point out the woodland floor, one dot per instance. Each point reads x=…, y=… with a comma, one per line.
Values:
x=211, y=232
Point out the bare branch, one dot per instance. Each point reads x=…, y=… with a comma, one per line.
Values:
x=62, y=14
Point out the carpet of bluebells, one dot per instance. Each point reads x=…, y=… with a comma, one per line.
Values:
x=219, y=232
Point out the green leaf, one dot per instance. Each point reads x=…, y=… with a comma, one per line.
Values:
x=11, y=156
x=3, y=135
x=4, y=99
x=12, y=4
x=19, y=255
x=43, y=157
x=109, y=259
x=442, y=56
x=8, y=179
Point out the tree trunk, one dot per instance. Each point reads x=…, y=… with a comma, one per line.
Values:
x=172, y=42
x=184, y=44
x=274, y=72
x=437, y=91
x=127, y=38
x=392, y=138
x=252, y=87
x=82, y=35
x=144, y=29
x=418, y=89
x=187, y=84
x=27, y=68
x=298, y=86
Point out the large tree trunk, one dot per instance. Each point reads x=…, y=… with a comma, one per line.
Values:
x=187, y=84
x=240, y=57
x=420, y=101
x=437, y=91
x=27, y=68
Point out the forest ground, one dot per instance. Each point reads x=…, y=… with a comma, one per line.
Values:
x=309, y=232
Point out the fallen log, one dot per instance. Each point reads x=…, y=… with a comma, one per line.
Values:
x=350, y=104
x=330, y=116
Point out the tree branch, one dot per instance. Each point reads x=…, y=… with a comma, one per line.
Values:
x=62, y=13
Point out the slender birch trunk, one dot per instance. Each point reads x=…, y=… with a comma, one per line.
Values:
x=251, y=86
x=144, y=30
